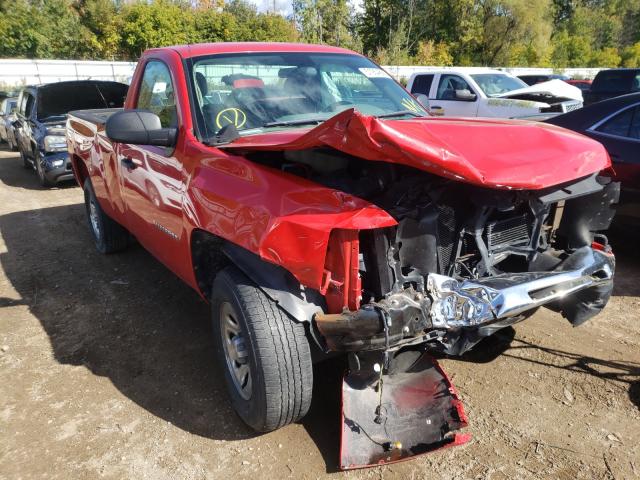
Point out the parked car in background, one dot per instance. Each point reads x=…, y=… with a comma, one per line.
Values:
x=616, y=124
x=533, y=79
x=613, y=83
x=583, y=84
x=318, y=208
x=490, y=93
x=7, y=117
x=41, y=116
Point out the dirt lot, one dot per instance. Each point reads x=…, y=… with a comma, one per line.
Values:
x=107, y=371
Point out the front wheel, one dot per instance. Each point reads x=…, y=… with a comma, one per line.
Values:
x=265, y=354
x=42, y=178
x=108, y=235
x=25, y=161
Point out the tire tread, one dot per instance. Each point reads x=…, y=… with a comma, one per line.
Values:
x=285, y=357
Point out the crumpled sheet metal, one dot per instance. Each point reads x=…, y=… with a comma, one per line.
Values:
x=506, y=154
x=286, y=219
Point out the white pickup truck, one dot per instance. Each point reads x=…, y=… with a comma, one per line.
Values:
x=490, y=93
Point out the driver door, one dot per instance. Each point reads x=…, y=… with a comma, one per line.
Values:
x=152, y=177
x=447, y=104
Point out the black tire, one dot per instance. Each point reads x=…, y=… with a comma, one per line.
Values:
x=108, y=235
x=277, y=353
x=25, y=161
x=44, y=181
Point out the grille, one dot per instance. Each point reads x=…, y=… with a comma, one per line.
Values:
x=446, y=236
x=510, y=232
x=570, y=107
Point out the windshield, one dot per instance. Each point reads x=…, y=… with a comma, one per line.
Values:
x=56, y=100
x=262, y=91
x=497, y=83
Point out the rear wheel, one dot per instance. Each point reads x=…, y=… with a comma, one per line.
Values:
x=264, y=353
x=108, y=235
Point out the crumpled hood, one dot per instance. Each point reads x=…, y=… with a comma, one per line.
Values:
x=506, y=154
x=556, y=88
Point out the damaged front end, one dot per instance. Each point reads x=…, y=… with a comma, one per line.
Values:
x=452, y=281
x=466, y=240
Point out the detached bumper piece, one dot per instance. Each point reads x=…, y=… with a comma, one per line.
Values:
x=411, y=410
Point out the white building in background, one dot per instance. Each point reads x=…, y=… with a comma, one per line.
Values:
x=18, y=72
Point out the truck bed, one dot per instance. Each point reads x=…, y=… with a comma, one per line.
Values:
x=99, y=116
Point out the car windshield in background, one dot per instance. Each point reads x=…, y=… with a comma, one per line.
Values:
x=58, y=99
x=496, y=84
x=10, y=106
x=257, y=92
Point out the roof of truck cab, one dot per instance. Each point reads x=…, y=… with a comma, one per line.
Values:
x=200, y=49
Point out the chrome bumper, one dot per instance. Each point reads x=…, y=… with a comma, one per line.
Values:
x=474, y=302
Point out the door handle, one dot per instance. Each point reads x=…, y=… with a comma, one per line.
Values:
x=436, y=107
x=128, y=163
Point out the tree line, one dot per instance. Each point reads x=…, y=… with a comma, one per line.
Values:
x=536, y=33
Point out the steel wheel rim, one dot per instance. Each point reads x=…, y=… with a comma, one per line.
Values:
x=40, y=167
x=93, y=219
x=235, y=351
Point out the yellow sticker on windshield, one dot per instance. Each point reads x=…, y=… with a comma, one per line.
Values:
x=411, y=105
x=231, y=116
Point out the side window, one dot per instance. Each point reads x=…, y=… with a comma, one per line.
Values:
x=422, y=84
x=23, y=102
x=618, y=125
x=636, y=84
x=156, y=93
x=448, y=86
x=29, y=102
x=635, y=125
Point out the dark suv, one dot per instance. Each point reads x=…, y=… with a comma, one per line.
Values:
x=41, y=118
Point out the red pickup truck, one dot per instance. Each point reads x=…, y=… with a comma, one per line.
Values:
x=318, y=208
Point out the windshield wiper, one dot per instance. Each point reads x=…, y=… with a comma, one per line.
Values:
x=291, y=123
x=399, y=113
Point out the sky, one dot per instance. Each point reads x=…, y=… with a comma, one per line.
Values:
x=283, y=7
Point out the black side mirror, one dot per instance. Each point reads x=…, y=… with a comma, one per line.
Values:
x=465, y=95
x=140, y=127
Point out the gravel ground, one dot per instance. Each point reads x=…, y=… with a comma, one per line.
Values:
x=107, y=371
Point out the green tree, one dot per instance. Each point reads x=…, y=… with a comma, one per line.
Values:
x=431, y=53
x=631, y=56
x=103, y=22
x=324, y=21
x=155, y=24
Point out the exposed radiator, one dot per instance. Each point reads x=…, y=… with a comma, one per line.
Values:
x=514, y=231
